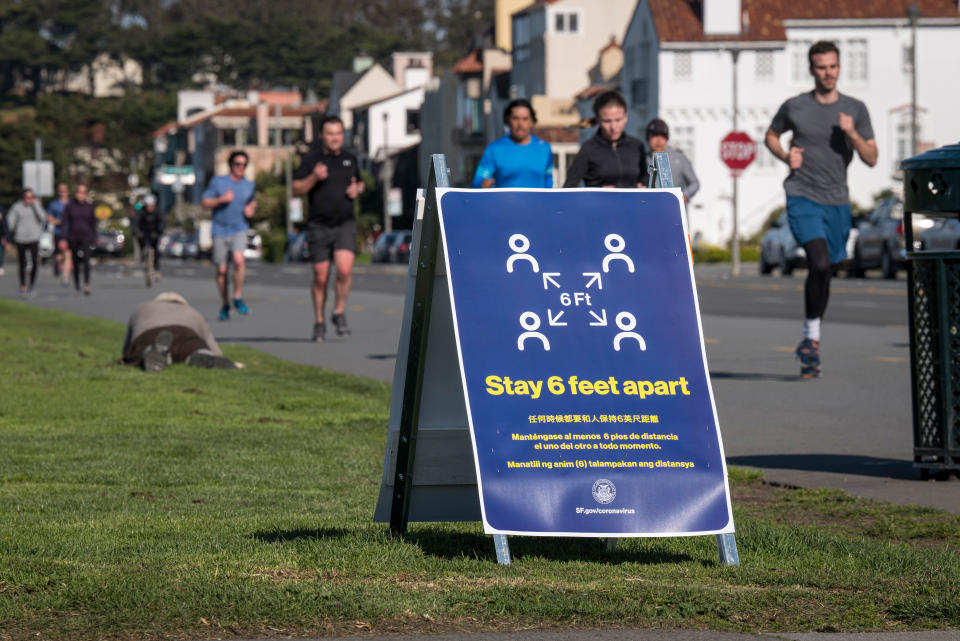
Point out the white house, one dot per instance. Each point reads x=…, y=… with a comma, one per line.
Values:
x=679, y=65
x=389, y=124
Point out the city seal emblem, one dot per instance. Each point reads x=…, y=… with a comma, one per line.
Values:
x=604, y=491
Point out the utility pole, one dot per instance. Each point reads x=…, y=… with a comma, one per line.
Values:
x=386, y=174
x=735, y=244
x=913, y=12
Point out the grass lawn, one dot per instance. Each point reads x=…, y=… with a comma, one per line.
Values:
x=217, y=504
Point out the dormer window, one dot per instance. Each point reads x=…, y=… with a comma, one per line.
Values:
x=566, y=21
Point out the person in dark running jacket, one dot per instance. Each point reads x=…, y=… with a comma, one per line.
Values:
x=610, y=158
x=80, y=226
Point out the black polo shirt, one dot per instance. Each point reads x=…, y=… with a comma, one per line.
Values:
x=327, y=201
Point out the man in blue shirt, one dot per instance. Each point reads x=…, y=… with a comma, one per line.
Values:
x=61, y=266
x=519, y=159
x=231, y=197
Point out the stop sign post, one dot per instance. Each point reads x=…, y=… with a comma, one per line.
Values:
x=737, y=151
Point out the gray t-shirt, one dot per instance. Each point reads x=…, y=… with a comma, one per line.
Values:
x=826, y=149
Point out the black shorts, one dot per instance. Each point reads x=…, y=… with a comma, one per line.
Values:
x=323, y=241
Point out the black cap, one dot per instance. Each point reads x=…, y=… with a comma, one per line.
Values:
x=657, y=127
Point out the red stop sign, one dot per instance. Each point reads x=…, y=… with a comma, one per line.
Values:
x=737, y=150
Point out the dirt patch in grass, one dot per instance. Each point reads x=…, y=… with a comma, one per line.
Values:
x=835, y=511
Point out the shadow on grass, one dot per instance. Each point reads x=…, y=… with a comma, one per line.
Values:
x=836, y=463
x=263, y=339
x=285, y=536
x=451, y=545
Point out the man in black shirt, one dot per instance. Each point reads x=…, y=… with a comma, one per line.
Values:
x=330, y=178
x=611, y=158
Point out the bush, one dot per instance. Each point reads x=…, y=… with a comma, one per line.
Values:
x=274, y=245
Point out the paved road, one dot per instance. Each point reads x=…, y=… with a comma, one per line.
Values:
x=851, y=429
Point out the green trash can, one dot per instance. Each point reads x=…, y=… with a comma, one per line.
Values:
x=931, y=187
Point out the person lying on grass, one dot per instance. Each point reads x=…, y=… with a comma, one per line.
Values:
x=168, y=330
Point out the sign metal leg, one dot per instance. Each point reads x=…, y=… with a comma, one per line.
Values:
x=503, y=548
x=727, y=547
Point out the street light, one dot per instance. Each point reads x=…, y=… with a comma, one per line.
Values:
x=913, y=13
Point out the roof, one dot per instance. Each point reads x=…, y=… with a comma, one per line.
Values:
x=596, y=90
x=533, y=7
x=243, y=112
x=681, y=20
x=470, y=63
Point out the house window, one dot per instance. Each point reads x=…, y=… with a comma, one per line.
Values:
x=570, y=22
x=764, y=159
x=682, y=138
x=521, y=38
x=413, y=121
x=228, y=137
x=855, y=60
x=682, y=65
x=763, y=65
x=902, y=142
x=906, y=63
x=800, y=65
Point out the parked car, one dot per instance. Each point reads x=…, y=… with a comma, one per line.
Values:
x=110, y=242
x=298, y=250
x=254, y=250
x=940, y=235
x=182, y=245
x=779, y=248
x=399, y=251
x=381, y=247
x=880, y=241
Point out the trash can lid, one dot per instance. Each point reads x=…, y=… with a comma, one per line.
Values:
x=944, y=157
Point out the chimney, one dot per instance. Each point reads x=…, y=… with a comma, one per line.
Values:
x=721, y=17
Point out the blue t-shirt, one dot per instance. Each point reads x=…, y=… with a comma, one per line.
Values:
x=513, y=165
x=55, y=209
x=228, y=219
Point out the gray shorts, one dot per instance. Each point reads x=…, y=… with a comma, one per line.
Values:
x=323, y=241
x=224, y=245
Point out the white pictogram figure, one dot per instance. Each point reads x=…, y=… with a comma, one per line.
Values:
x=615, y=244
x=520, y=244
x=627, y=322
x=531, y=322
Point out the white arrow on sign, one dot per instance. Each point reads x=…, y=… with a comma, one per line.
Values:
x=555, y=320
x=601, y=320
x=595, y=279
x=548, y=278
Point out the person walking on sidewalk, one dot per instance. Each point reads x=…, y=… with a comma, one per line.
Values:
x=232, y=199
x=827, y=128
x=658, y=133
x=25, y=222
x=61, y=265
x=80, y=224
x=328, y=175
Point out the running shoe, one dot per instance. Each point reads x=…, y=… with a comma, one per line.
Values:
x=208, y=360
x=224, y=313
x=319, y=332
x=808, y=351
x=340, y=322
x=157, y=355
x=241, y=306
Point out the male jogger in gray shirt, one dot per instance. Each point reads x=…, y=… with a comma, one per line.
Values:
x=827, y=128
